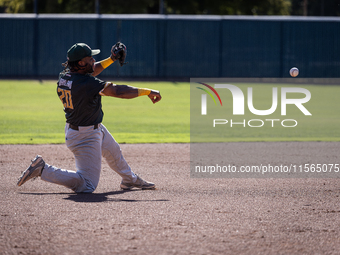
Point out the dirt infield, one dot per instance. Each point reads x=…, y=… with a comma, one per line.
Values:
x=183, y=216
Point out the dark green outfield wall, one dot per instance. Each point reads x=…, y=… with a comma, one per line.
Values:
x=174, y=46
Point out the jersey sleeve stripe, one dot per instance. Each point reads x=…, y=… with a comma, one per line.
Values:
x=106, y=84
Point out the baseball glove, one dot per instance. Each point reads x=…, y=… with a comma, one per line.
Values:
x=118, y=52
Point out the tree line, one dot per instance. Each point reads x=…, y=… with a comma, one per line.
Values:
x=215, y=7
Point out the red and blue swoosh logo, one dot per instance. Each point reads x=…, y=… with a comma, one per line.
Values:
x=209, y=93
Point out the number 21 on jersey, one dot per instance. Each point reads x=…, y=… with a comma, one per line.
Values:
x=65, y=97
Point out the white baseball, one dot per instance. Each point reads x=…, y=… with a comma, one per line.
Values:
x=294, y=72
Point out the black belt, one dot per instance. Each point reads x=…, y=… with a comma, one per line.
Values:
x=77, y=127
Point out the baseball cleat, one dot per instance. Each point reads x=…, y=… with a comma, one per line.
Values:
x=139, y=183
x=33, y=171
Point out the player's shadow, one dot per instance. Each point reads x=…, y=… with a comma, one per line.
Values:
x=104, y=197
x=97, y=197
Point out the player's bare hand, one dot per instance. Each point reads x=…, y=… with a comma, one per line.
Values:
x=155, y=96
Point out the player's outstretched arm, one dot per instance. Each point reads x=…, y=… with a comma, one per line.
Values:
x=129, y=92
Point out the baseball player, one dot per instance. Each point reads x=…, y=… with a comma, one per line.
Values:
x=89, y=140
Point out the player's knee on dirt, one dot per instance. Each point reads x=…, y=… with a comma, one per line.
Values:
x=85, y=186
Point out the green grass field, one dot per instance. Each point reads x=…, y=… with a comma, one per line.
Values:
x=322, y=125
x=31, y=113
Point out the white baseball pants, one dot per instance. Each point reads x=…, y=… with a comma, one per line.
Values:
x=88, y=146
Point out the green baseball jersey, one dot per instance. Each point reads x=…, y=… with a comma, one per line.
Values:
x=79, y=94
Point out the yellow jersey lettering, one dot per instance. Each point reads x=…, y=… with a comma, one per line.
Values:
x=65, y=97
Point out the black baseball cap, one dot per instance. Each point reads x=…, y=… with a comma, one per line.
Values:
x=79, y=51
